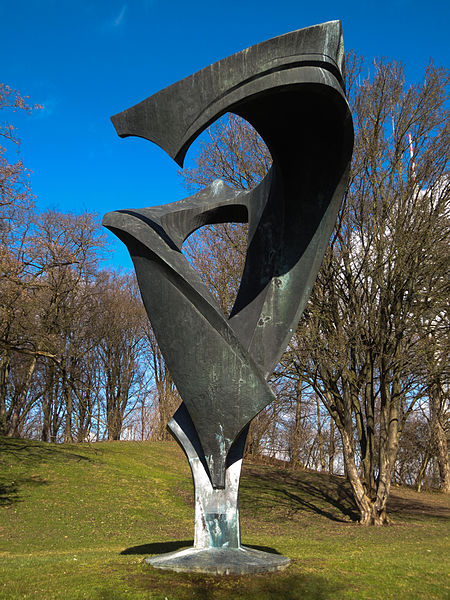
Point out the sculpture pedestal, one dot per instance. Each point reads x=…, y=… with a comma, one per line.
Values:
x=220, y=561
x=217, y=537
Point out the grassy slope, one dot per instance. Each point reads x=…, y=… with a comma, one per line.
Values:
x=77, y=520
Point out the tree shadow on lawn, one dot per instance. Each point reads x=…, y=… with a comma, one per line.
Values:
x=9, y=492
x=163, y=547
x=31, y=453
x=158, y=547
x=23, y=453
x=329, y=496
x=284, y=585
x=404, y=505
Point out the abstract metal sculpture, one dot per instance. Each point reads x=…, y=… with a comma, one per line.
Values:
x=291, y=90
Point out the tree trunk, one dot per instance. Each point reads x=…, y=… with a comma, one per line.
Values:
x=68, y=438
x=45, y=431
x=115, y=423
x=21, y=407
x=13, y=429
x=296, y=432
x=423, y=467
x=440, y=439
x=4, y=373
x=47, y=405
x=389, y=436
x=56, y=419
x=374, y=514
x=332, y=449
x=320, y=435
x=372, y=511
x=142, y=419
x=442, y=457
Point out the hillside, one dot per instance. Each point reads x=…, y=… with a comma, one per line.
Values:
x=77, y=520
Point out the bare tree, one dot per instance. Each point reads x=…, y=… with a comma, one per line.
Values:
x=66, y=248
x=15, y=189
x=166, y=398
x=121, y=348
x=433, y=368
x=360, y=341
x=16, y=215
x=71, y=338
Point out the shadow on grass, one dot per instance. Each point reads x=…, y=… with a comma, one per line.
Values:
x=290, y=491
x=195, y=586
x=17, y=452
x=9, y=492
x=290, y=584
x=163, y=547
x=32, y=453
x=407, y=508
x=158, y=547
x=284, y=492
x=335, y=493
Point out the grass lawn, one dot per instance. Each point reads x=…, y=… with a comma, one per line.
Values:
x=76, y=521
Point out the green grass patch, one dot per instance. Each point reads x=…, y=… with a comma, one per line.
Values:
x=76, y=521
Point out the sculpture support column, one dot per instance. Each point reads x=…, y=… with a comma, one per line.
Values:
x=216, y=510
x=217, y=539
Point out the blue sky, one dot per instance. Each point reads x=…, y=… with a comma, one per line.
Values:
x=85, y=61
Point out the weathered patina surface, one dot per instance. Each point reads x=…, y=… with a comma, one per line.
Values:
x=291, y=90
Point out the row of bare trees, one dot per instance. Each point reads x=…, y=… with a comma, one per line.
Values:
x=77, y=356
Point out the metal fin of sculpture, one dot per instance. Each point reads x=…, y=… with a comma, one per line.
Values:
x=291, y=90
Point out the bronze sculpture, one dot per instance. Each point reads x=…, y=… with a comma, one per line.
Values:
x=291, y=89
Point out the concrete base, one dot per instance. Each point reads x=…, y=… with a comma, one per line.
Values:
x=220, y=561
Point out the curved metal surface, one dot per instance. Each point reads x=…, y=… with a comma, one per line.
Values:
x=174, y=117
x=290, y=89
